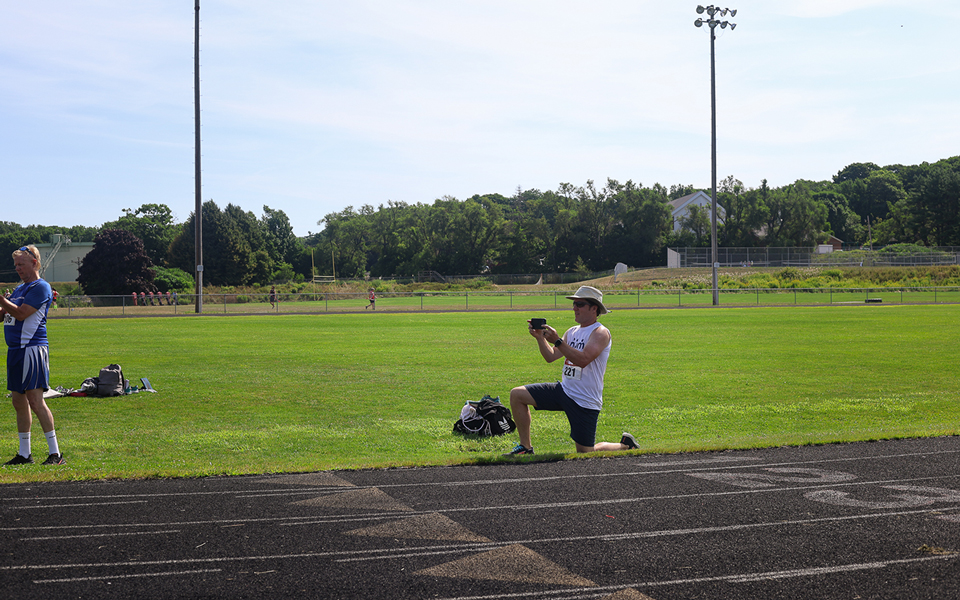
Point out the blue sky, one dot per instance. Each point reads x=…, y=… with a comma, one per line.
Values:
x=310, y=106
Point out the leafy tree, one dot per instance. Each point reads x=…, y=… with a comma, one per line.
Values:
x=642, y=223
x=793, y=217
x=679, y=191
x=226, y=256
x=741, y=219
x=884, y=189
x=345, y=238
x=170, y=280
x=934, y=209
x=696, y=221
x=154, y=225
x=844, y=223
x=392, y=245
x=855, y=171
x=116, y=265
x=281, y=241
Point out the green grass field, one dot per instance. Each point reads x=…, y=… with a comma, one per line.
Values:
x=281, y=393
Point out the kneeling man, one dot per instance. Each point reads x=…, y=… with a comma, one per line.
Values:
x=584, y=349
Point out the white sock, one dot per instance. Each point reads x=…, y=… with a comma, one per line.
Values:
x=52, y=441
x=24, y=444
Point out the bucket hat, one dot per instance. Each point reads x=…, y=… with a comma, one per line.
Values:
x=593, y=295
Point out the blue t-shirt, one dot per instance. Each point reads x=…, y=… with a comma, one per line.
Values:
x=32, y=331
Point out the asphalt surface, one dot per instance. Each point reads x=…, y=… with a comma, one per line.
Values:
x=871, y=520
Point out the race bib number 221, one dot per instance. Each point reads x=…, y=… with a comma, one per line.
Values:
x=571, y=371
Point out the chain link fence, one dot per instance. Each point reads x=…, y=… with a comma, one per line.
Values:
x=319, y=303
x=808, y=257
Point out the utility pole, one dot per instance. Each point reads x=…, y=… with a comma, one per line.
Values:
x=197, y=216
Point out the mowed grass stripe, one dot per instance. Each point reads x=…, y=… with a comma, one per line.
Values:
x=278, y=393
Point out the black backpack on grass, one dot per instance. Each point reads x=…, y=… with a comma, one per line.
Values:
x=485, y=418
x=111, y=382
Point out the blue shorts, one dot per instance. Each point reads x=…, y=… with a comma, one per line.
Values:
x=28, y=369
x=583, y=421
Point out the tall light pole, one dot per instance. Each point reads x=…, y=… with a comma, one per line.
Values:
x=197, y=216
x=713, y=22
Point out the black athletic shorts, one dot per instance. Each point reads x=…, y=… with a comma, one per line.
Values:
x=583, y=421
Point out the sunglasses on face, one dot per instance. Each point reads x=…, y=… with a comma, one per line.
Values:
x=581, y=304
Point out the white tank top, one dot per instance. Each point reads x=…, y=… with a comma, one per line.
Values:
x=585, y=385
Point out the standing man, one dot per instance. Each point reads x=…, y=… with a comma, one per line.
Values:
x=28, y=364
x=585, y=349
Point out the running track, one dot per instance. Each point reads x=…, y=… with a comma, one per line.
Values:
x=871, y=520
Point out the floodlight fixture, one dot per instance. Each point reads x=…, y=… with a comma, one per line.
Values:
x=700, y=10
x=698, y=22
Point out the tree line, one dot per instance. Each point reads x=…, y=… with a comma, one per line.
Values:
x=572, y=228
x=578, y=228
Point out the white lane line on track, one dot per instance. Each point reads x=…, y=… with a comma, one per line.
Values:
x=594, y=592
x=129, y=576
x=380, y=516
x=221, y=522
x=708, y=464
x=83, y=505
x=95, y=535
x=393, y=553
x=608, y=501
x=387, y=553
x=32, y=496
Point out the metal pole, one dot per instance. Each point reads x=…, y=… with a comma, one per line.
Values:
x=713, y=163
x=198, y=219
x=712, y=22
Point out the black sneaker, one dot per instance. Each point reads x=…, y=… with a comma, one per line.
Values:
x=519, y=450
x=55, y=459
x=629, y=441
x=20, y=459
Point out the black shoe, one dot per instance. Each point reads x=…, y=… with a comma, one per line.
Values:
x=20, y=459
x=629, y=441
x=519, y=450
x=55, y=459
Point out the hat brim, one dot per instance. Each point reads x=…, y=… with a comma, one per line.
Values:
x=603, y=309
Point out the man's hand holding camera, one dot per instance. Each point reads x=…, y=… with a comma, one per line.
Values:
x=547, y=339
